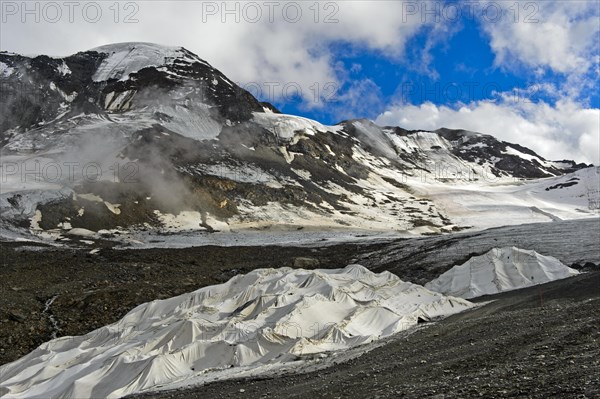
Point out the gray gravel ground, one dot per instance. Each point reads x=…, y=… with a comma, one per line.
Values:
x=540, y=342
x=419, y=260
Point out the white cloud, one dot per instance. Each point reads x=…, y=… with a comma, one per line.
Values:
x=566, y=130
x=564, y=40
x=277, y=51
x=360, y=99
x=559, y=35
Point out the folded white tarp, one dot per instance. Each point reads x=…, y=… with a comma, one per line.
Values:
x=264, y=317
x=500, y=269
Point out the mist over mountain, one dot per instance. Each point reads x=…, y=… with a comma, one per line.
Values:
x=138, y=135
x=163, y=229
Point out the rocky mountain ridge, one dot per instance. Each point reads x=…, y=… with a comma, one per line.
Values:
x=177, y=145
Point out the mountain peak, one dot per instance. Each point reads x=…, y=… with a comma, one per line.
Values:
x=124, y=46
x=209, y=152
x=129, y=57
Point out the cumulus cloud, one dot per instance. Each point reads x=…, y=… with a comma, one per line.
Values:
x=271, y=45
x=360, y=99
x=566, y=130
x=279, y=49
x=557, y=35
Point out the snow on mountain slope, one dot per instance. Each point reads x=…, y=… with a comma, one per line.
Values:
x=288, y=126
x=499, y=270
x=126, y=58
x=580, y=189
x=426, y=141
x=5, y=70
x=266, y=317
x=498, y=201
x=159, y=122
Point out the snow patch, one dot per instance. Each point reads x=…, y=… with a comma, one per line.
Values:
x=185, y=220
x=303, y=174
x=127, y=58
x=89, y=197
x=82, y=232
x=63, y=69
x=288, y=126
x=114, y=208
x=5, y=70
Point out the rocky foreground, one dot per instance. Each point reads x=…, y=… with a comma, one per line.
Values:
x=539, y=342
x=48, y=291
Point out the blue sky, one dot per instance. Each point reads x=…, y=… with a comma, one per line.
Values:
x=524, y=71
x=461, y=69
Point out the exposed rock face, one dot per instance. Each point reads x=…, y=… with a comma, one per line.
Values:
x=166, y=133
x=42, y=88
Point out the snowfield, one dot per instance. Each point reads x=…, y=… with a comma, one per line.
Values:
x=264, y=318
x=190, y=122
x=499, y=270
x=288, y=126
x=127, y=58
x=508, y=201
